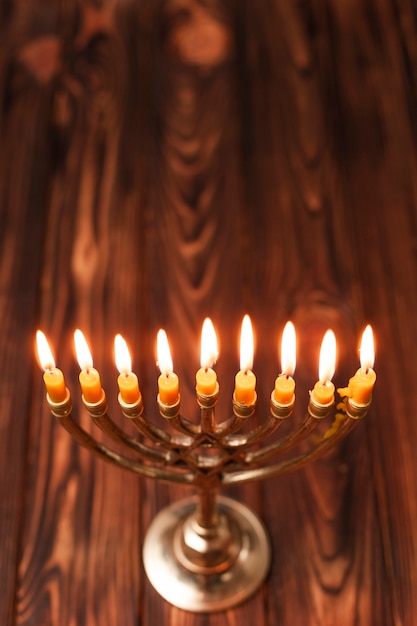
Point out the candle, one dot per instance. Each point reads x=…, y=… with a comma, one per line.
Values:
x=52, y=377
x=127, y=381
x=285, y=384
x=89, y=377
x=206, y=379
x=323, y=392
x=362, y=383
x=168, y=383
x=245, y=380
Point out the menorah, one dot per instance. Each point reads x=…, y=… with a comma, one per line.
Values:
x=209, y=552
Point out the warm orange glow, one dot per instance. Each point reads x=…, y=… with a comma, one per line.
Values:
x=361, y=385
x=168, y=383
x=327, y=362
x=245, y=379
x=127, y=381
x=53, y=377
x=367, y=349
x=164, y=359
x=246, y=345
x=82, y=351
x=89, y=377
x=206, y=379
x=288, y=349
x=45, y=355
x=122, y=355
x=209, y=349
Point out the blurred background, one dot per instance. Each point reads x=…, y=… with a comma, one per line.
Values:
x=165, y=160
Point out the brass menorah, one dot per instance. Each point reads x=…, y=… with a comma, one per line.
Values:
x=208, y=552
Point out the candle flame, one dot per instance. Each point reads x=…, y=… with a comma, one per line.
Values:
x=45, y=355
x=209, y=349
x=246, y=345
x=84, y=358
x=122, y=355
x=288, y=349
x=367, y=349
x=163, y=353
x=327, y=362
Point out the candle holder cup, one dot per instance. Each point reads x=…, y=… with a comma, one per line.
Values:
x=208, y=552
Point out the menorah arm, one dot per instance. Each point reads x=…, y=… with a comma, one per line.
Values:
x=282, y=445
x=266, y=428
x=341, y=427
x=110, y=428
x=159, y=436
x=134, y=413
x=63, y=413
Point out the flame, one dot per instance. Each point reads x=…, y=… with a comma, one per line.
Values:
x=82, y=351
x=246, y=345
x=209, y=349
x=122, y=355
x=45, y=355
x=163, y=353
x=367, y=349
x=327, y=362
x=288, y=349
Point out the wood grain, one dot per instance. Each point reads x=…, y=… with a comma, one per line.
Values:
x=164, y=161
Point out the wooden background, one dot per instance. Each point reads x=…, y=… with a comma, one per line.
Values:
x=164, y=160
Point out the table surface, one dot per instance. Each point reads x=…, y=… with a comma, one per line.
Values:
x=160, y=162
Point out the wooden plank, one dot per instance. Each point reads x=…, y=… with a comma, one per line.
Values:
x=22, y=217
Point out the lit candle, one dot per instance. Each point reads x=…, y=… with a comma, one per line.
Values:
x=89, y=377
x=168, y=383
x=206, y=378
x=285, y=384
x=53, y=377
x=245, y=380
x=362, y=383
x=323, y=392
x=127, y=380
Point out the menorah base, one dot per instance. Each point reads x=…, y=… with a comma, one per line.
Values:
x=206, y=570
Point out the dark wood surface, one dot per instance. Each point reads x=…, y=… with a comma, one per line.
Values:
x=161, y=161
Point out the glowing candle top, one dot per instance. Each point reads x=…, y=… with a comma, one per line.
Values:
x=209, y=348
x=327, y=360
x=127, y=380
x=89, y=377
x=367, y=349
x=122, y=355
x=164, y=359
x=206, y=378
x=53, y=377
x=288, y=350
x=323, y=392
x=245, y=379
x=360, y=386
x=168, y=384
x=45, y=355
x=283, y=393
x=84, y=358
x=246, y=345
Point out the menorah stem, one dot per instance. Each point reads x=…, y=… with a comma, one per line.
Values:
x=207, y=514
